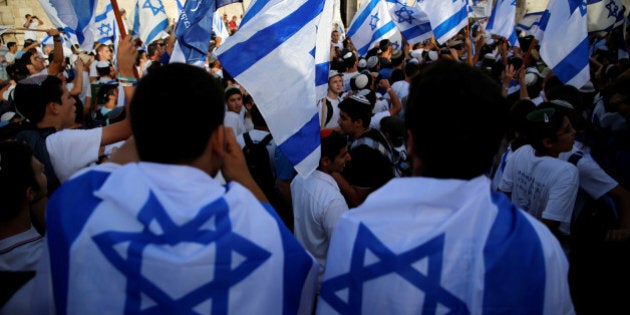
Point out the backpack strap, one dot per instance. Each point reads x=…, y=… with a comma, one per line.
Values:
x=248, y=139
x=576, y=157
x=265, y=141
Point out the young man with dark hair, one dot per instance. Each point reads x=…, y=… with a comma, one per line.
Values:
x=10, y=55
x=318, y=203
x=164, y=235
x=234, y=105
x=442, y=239
x=371, y=153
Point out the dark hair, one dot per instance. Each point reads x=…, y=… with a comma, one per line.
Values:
x=16, y=176
x=231, y=91
x=544, y=123
x=351, y=60
x=518, y=122
x=32, y=95
x=186, y=128
x=332, y=144
x=11, y=44
x=454, y=108
x=356, y=110
x=152, y=48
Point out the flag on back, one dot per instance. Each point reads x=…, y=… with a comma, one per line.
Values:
x=529, y=23
x=274, y=56
x=197, y=20
x=566, y=53
x=127, y=240
x=75, y=17
x=447, y=17
x=502, y=19
x=150, y=20
x=370, y=24
x=411, y=21
x=105, y=22
x=437, y=261
x=603, y=15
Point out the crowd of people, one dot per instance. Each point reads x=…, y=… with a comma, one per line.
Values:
x=127, y=183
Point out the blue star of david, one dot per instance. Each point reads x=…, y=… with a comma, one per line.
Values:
x=154, y=9
x=513, y=3
x=404, y=15
x=613, y=8
x=389, y=263
x=105, y=28
x=373, y=20
x=395, y=45
x=192, y=232
x=575, y=4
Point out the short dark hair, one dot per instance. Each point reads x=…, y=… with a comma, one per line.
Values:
x=16, y=176
x=356, y=110
x=332, y=144
x=457, y=118
x=544, y=123
x=231, y=91
x=185, y=129
x=11, y=44
x=32, y=95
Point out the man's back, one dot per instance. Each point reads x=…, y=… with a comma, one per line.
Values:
x=169, y=238
x=448, y=245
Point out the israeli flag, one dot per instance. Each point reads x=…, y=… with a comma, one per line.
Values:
x=370, y=24
x=105, y=24
x=529, y=23
x=447, y=17
x=411, y=21
x=445, y=247
x=275, y=57
x=128, y=240
x=150, y=20
x=193, y=32
x=75, y=17
x=502, y=21
x=566, y=53
x=604, y=15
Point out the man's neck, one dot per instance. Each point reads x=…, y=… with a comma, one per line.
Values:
x=332, y=95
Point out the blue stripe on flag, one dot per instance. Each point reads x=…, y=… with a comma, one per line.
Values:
x=253, y=10
x=67, y=225
x=303, y=142
x=103, y=16
x=84, y=10
x=361, y=19
x=379, y=33
x=156, y=31
x=221, y=3
x=417, y=30
x=573, y=63
x=451, y=22
x=270, y=38
x=321, y=73
x=513, y=245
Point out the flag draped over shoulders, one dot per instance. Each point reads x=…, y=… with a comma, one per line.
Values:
x=446, y=246
x=74, y=17
x=130, y=241
x=275, y=57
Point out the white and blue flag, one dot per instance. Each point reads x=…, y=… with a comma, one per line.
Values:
x=604, y=15
x=502, y=20
x=150, y=20
x=566, y=53
x=411, y=21
x=75, y=17
x=128, y=240
x=372, y=23
x=529, y=22
x=447, y=17
x=105, y=24
x=275, y=57
x=444, y=247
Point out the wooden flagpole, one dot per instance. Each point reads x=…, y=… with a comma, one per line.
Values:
x=119, y=21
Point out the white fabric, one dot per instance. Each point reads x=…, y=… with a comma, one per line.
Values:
x=447, y=18
x=10, y=57
x=213, y=231
x=72, y=149
x=545, y=187
x=593, y=179
x=31, y=34
x=401, y=88
x=375, y=122
x=334, y=119
x=408, y=216
x=317, y=206
x=20, y=252
x=346, y=80
x=234, y=121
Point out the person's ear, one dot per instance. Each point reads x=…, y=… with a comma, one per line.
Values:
x=217, y=142
x=411, y=151
x=51, y=108
x=547, y=143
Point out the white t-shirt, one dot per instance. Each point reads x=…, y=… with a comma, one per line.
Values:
x=346, y=80
x=375, y=122
x=334, y=119
x=73, y=149
x=401, y=88
x=234, y=121
x=593, y=179
x=31, y=34
x=317, y=206
x=545, y=187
